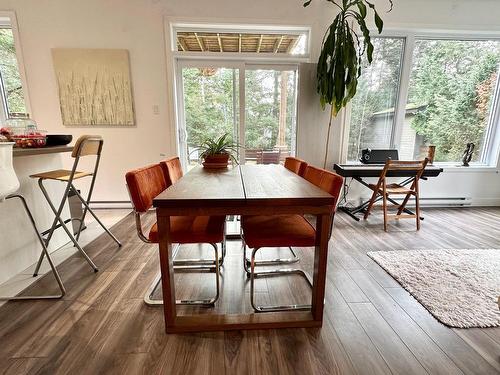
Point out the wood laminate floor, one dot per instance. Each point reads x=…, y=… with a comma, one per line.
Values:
x=371, y=324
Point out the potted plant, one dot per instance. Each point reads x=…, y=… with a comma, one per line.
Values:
x=340, y=60
x=216, y=153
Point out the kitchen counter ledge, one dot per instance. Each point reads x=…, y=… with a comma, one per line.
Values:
x=41, y=151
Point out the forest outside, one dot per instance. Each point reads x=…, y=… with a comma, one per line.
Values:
x=211, y=107
x=452, y=82
x=10, y=76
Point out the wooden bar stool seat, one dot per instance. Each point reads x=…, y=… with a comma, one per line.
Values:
x=61, y=175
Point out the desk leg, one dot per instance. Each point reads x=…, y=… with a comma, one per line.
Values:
x=323, y=226
x=167, y=270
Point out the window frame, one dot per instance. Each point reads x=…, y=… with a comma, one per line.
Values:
x=8, y=19
x=490, y=154
x=241, y=61
x=176, y=27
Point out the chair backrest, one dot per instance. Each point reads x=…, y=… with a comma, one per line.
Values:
x=271, y=157
x=325, y=180
x=172, y=170
x=144, y=184
x=87, y=145
x=295, y=165
x=417, y=166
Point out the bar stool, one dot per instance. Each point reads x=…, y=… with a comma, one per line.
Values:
x=86, y=145
x=285, y=230
x=9, y=184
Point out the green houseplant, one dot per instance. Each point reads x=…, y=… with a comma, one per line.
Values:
x=216, y=153
x=343, y=48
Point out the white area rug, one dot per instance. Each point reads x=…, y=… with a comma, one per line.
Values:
x=459, y=287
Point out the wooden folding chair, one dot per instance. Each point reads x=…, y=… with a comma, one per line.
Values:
x=385, y=190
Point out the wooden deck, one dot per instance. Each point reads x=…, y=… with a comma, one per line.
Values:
x=371, y=325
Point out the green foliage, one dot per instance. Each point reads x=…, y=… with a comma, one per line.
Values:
x=340, y=61
x=10, y=73
x=221, y=145
x=212, y=108
x=455, y=80
x=377, y=91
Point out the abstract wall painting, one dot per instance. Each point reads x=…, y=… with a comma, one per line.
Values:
x=94, y=86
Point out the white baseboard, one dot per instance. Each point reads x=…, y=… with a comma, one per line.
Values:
x=111, y=205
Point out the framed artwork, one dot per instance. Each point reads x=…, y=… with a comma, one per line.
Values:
x=94, y=86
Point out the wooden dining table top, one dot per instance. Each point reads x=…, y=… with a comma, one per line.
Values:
x=243, y=185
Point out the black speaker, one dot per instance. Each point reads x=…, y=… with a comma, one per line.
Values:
x=369, y=156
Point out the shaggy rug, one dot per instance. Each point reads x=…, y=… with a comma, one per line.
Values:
x=460, y=288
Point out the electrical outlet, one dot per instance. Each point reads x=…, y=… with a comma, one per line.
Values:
x=156, y=109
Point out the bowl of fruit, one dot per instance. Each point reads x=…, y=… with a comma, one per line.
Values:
x=31, y=139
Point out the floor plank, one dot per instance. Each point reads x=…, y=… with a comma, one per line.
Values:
x=371, y=326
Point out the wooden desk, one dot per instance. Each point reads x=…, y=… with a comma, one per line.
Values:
x=243, y=190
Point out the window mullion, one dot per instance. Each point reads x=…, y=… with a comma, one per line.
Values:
x=404, y=86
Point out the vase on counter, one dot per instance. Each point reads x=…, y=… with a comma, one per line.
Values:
x=8, y=178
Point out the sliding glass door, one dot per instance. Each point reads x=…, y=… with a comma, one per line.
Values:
x=270, y=113
x=255, y=104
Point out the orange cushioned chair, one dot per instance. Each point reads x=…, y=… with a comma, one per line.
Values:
x=295, y=165
x=144, y=185
x=298, y=167
x=172, y=170
x=285, y=231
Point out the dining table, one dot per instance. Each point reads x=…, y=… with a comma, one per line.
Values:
x=243, y=190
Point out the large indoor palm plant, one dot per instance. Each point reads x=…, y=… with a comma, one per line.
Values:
x=345, y=43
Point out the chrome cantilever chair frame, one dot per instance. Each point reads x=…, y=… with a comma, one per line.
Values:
x=184, y=265
x=45, y=252
x=85, y=202
x=269, y=273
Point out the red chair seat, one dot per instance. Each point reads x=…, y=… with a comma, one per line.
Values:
x=277, y=231
x=193, y=229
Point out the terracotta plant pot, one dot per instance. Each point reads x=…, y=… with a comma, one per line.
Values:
x=216, y=161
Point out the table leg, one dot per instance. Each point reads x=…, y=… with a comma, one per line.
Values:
x=167, y=271
x=323, y=227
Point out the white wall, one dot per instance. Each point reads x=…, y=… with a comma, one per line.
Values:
x=138, y=25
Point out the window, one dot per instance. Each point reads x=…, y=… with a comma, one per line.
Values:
x=224, y=39
x=238, y=80
x=372, y=114
x=451, y=95
x=452, y=85
x=209, y=106
x=13, y=102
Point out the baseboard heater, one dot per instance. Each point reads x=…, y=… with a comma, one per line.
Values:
x=438, y=202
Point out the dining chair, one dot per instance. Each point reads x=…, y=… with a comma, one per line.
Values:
x=298, y=167
x=86, y=145
x=144, y=184
x=285, y=231
x=172, y=170
x=295, y=165
x=382, y=188
x=271, y=157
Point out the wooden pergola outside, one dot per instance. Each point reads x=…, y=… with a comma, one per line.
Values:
x=233, y=42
